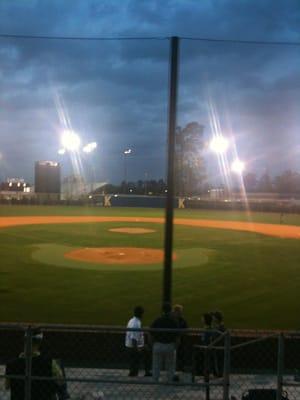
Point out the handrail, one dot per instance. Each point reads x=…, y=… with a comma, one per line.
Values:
x=237, y=346
x=83, y=327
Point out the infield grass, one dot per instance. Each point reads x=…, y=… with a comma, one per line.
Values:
x=252, y=278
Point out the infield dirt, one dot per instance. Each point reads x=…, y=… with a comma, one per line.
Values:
x=117, y=255
x=275, y=230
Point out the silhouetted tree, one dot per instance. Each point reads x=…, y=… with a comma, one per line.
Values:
x=287, y=182
x=250, y=182
x=189, y=163
x=265, y=183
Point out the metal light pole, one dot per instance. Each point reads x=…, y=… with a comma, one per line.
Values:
x=146, y=184
x=126, y=152
x=168, y=245
x=89, y=149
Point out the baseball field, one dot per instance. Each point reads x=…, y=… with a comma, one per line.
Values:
x=92, y=265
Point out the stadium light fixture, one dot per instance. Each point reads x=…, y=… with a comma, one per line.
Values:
x=89, y=147
x=70, y=140
x=219, y=144
x=238, y=166
x=61, y=152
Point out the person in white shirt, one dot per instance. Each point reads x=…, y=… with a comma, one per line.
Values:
x=135, y=344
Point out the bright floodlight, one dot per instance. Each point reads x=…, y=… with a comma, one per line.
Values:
x=127, y=151
x=61, y=151
x=70, y=140
x=219, y=144
x=89, y=147
x=237, y=166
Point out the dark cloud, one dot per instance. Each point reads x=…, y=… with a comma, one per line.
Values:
x=115, y=92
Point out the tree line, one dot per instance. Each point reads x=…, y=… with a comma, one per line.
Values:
x=287, y=182
x=140, y=187
x=190, y=175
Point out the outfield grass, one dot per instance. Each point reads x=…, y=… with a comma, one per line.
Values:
x=252, y=278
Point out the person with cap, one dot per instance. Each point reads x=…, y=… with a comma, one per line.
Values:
x=135, y=344
x=41, y=366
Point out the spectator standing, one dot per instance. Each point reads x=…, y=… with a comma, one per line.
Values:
x=164, y=343
x=41, y=366
x=219, y=328
x=178, y=316
x=207, y=338
x=135, y=344
x=182, y=324
x=218, y=321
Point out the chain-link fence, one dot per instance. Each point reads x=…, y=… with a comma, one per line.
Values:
x=93, y=362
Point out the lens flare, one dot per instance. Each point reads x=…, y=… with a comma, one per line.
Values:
x=219, y=144
x=238, y=166
x=89, y=147
x=70, y=140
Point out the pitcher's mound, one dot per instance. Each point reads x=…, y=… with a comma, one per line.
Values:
x=132, y=231
x=117, y=255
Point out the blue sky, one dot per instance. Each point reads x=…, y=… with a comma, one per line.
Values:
x=115, y=92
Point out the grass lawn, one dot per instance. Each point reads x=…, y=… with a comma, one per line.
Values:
x=252, y=278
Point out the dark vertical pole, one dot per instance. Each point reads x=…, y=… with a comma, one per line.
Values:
x=28, y=363
x=125, y=173
x=173, y=76
x=280, y=366
x=227, y=363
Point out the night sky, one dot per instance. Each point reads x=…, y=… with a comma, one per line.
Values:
x=115, y=92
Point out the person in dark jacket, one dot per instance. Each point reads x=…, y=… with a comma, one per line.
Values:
x=207, y=339
x=41, y=366
x=182, y=324
x=219, y=328
x=218, y=321
x=164, y=343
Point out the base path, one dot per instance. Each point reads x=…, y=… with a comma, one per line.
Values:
x=276, y=230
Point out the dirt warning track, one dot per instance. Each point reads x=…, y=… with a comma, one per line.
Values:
x=275, y=230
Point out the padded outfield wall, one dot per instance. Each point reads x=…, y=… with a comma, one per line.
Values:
x=275, y=203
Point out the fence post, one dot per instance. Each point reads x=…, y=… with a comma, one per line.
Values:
x=28, y=362
x=226, y=375
x=280, y=366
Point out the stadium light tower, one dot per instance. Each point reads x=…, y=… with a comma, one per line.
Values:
x=126, y=153
x=90, y=147
x=238, y=166
x=219, y=144
x=70, y=140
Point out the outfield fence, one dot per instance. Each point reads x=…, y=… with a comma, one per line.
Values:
x=282, y=204
x=249, y=365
